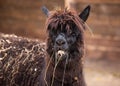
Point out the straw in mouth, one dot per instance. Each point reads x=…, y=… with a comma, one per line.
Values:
x=60, y=53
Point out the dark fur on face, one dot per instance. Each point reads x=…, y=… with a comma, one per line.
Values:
x=65, y=47
x=71, y=27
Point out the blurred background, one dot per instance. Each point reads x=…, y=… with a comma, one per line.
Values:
x=102, y=58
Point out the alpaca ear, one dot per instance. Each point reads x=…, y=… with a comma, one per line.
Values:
x=85, y=13
x=45, y=11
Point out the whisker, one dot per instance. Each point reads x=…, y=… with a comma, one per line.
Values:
x=56, y=63
x=64, y=70
x=90, y=30
x=47, y=69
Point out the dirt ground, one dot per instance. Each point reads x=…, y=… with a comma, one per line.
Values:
x=102, y=72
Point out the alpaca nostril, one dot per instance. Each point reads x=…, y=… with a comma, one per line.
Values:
x=60, y=42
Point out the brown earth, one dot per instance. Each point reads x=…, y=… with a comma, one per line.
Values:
x=102, y=73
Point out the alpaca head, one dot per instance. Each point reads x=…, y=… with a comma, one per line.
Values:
x=65, y=33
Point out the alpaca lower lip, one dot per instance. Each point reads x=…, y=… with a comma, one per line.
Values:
x=60, y=53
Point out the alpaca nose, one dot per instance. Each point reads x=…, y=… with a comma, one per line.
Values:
x=60, y=42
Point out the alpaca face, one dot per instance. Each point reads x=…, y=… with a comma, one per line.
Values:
x=64, y=40
x=65, y=33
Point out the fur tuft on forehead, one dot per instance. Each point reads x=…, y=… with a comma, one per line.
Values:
x=59, y=18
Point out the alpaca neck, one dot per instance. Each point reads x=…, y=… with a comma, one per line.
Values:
x=73, y=73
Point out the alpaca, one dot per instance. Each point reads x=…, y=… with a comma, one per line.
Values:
x=29, y=62
x=65, y=47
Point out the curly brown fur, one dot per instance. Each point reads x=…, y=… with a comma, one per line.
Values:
x=22, y=61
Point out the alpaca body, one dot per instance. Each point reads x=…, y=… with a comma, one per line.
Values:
x=22, y=61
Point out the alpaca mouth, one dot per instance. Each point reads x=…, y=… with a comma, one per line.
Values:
x=61, y=55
